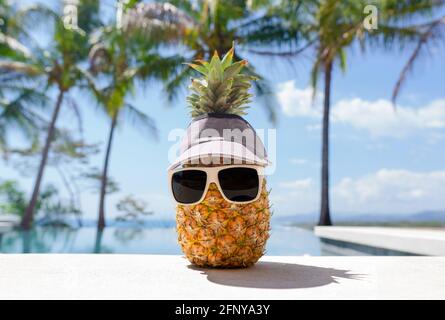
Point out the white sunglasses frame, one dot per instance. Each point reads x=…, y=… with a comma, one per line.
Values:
x=212, y=176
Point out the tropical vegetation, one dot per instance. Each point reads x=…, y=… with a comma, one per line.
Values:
x=107, y=57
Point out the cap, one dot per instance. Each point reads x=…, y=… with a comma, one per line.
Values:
x=213, y=136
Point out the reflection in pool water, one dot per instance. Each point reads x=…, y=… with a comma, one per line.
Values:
x=152, y=238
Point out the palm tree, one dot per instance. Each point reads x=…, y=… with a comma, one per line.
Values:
x=17, y=113
x=123, y=55
x=217, y=25
x=9, y=31
x=18, y=99
x=329, y=28
x=57, y=65
x=432, y=30
x=334, y=32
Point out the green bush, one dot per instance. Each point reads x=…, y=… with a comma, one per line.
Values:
x=13, y=201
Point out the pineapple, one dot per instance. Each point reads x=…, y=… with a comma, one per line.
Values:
x=216, y=233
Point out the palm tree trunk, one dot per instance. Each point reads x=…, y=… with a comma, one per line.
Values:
x=104, y=177
x=27, y=240
x=29, y=212
x=98, y=241
x=325, y=218
x=73, y=203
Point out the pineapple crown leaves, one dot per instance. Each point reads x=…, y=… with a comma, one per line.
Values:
x=222, y=88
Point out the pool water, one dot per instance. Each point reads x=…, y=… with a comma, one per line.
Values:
x=157, y=237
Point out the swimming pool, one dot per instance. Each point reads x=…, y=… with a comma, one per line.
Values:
x=155, y=237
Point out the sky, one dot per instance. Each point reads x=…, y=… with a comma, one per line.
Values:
x=383, y=159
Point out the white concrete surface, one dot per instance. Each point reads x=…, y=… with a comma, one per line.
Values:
x=171, y=277
x=429, y=242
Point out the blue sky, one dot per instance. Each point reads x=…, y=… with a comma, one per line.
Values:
x=382, y=161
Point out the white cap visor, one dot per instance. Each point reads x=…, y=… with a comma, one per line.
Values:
x=211, y=152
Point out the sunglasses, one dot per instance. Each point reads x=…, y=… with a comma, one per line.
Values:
x=236, y=183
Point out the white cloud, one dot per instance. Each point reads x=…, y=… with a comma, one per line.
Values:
x=298, y=185
x=386, y=191
x=378, y=117
x=391, y=190
x=297, y=102
x=298, y=196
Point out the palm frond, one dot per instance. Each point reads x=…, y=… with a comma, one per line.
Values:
x=89, y=84
x=177, y=82
x=77, y=112
x=99, y=58
x=15, y=45
x=264, y=93
x=162, y=21
x=36, y=14
x=18, y=114
x=19, y=67
x=156, y=66
x=426, y=36
x=284, y=54
x=314, y=77
x=139, y=120
x=389, y=36
x=394, y=10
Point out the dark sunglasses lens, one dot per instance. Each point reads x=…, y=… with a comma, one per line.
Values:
x=188, y=186
x=239, y=184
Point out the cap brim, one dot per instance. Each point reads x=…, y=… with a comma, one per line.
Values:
x=218, y=149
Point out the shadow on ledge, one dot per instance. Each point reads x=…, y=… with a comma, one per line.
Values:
x=275, y=275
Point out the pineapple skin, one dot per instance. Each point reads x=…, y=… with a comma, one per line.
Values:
x=216, y=233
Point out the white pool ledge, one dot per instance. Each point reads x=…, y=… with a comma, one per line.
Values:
x=83, y=276
x=418, y=241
